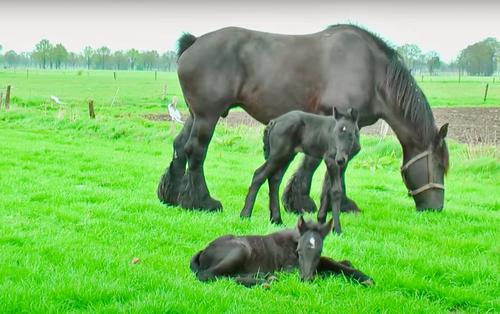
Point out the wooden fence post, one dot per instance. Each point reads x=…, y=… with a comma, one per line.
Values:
x=156, y=75
x=165, y=92
x=91, y=109
x=1, y=99
x=7, y=98
x=485, y=92
x=114, y=75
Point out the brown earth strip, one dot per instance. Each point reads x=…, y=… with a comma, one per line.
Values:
x=467, y=125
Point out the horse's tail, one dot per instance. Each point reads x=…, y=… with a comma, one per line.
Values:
x=267, y=131
x=195, y=262
x=184, y=42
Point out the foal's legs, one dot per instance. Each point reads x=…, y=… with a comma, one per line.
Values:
x=296, y=197
x=346, y=204
x=228, y=266
x=194, y=192
x=170, y=182
x=328, y=266
x=259, y=177
x=334, y=195
x=274, y=186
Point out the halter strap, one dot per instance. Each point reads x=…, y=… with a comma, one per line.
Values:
x=430, y=184
x=415, y=159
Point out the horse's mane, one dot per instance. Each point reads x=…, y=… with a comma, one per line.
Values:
x=402, y=88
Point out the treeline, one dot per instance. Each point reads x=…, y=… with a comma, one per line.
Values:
x=481, y=58
x=49, y=56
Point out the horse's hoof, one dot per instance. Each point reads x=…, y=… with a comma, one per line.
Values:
x=214, y=205
x=349, y=206
x=298, y=204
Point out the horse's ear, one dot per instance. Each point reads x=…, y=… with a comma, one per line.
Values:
x=336, y=113
x=326, y=228
x=301, y=225
x=443, y=131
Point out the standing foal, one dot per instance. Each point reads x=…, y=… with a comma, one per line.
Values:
x=335, y=140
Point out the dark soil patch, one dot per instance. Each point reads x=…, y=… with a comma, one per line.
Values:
x=467, y=125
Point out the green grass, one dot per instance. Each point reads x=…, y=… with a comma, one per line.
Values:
x=78, y=204
x=139, y=91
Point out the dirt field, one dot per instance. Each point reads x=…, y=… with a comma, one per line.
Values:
x=467, y=125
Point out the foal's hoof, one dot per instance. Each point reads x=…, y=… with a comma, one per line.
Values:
x=349, y=206
x=368, y=283
x=277, y=221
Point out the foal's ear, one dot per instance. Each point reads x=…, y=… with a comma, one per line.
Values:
x=301, y=225
x=443, y=131
x=336, y=113
x=326, y=228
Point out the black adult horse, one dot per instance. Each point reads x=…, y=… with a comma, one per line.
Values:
x=269, y=74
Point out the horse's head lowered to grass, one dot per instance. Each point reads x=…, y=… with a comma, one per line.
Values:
x=424, y=173
x=310, y=245
x=346, y=134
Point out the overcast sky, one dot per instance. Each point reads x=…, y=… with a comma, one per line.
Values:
x=443, y=26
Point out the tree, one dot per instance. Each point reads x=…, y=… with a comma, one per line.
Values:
x=11, y=58
x=481, y=58
x=433, y=62
x=132, y=55
x=87, y=54
x=120, y=60
x=59, y=54
x=410, y=54
x=103, y=55
x=42, y=52
x=168, y=60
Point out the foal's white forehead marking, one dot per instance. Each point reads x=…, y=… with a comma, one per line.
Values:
x=312, y=242
x=344, y=128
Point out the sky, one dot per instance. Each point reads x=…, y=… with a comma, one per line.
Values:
x=442, y=25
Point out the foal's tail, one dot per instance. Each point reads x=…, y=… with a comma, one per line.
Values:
x=195, y=262
x=267, y=131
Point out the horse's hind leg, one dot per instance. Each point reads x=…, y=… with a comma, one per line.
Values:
x=194, y=192
x=168, y=188
x=296, y=195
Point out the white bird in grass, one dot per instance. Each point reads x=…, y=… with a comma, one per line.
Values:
x=174, y=114
x=56, y=100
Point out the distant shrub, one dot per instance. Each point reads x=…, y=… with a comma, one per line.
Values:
x=79, y=73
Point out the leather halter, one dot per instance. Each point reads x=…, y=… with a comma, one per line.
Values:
x=430, y=177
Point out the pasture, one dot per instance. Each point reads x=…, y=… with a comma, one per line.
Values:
x=81, y=228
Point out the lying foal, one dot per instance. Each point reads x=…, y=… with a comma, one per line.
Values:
x=244, y=258
x=335, y=140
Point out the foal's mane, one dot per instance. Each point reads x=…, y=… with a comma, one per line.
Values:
x=402, y=88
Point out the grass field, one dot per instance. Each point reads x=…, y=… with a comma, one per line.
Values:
x=140, y=91
x=78, y=204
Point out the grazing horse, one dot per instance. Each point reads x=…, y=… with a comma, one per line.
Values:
x=335, y=140
x=244, y=258
x=270, y=74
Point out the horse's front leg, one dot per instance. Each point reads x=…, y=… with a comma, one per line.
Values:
x=296, y=197
x=329, y=266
